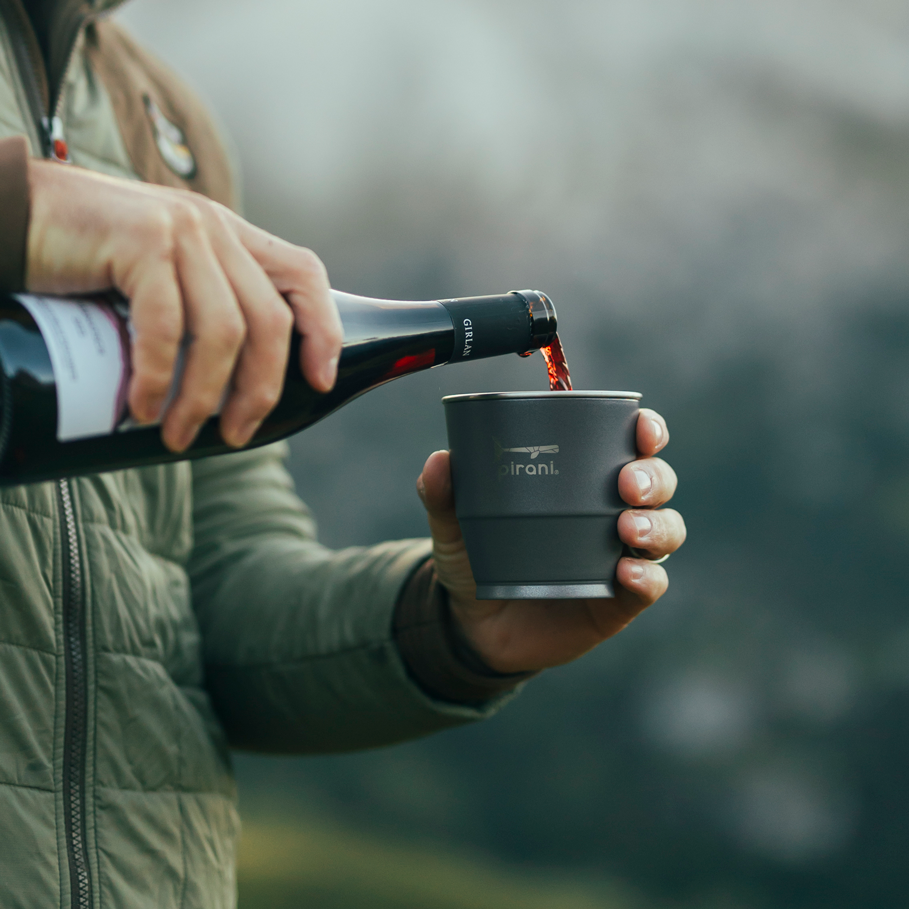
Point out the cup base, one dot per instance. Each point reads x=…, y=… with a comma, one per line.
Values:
x=590, y=590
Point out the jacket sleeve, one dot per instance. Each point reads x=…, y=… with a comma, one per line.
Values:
x=14, y=211
x=298, y=639
x=436, y=651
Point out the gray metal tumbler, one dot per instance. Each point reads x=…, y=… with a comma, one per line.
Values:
x=536, y=488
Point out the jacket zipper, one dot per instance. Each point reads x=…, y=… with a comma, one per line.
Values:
x=30, y=65
x=75, y=725
x=45, y=101
x=49, y=123
x=52, y=125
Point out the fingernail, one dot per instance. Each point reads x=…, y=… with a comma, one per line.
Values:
x=637, y=572
x=186, y=437
x=150, y=411
x=421, y=487
x=245, y=433
x=643, y=525
x=153, y=411
x=330, y=373
x=657, y=431
x=644, y=482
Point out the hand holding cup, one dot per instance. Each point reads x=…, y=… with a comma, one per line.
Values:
x=516, y=635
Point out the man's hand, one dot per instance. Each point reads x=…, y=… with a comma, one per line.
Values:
x=521, y=635
x=189, y=267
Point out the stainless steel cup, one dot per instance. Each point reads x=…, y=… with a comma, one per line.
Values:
x=536, y=488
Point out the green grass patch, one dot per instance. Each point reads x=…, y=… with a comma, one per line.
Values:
x=311, y=866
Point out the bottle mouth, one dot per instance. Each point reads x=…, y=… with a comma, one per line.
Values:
x=543, y=319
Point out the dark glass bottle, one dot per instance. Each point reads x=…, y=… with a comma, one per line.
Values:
x=64, y=367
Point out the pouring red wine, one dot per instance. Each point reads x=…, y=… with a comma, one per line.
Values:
x=556, y=365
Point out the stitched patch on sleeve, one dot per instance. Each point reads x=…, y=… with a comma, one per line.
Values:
x=170, y=141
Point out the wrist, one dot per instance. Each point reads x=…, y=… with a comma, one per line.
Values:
x=42, y=179
x=439, y=658
x=476, y=623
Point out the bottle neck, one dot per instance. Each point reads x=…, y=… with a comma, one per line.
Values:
x=367, y=320
x=516, y=322
x=473, y=328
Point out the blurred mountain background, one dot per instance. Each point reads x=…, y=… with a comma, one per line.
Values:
x=716, y=195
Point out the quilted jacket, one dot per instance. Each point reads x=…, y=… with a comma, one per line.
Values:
x=151, y=619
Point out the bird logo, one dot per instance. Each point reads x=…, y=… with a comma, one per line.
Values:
x=533, y=450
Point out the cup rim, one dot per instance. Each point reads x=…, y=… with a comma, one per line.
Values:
x=512, y=395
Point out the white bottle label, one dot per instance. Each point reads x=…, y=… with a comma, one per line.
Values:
x=88, y=343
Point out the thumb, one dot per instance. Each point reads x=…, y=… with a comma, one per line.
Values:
x=434, y=489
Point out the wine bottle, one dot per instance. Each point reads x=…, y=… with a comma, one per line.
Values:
x=64, y=371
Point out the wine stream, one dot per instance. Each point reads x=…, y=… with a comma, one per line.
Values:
x=556, y=366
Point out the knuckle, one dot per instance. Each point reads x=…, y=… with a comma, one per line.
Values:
x=217, y=211
x=308, y=269
x=187, y=218
x=263, y=398
x=228, y=333
x=153, y=381
x=157, y=230
x=200, y=406
x=162, y=331
x=280, y=318
x=155, y=351
x=213, y=215
x=663, y=533
x=652, y=574
x=669, y=531
x=310, y=263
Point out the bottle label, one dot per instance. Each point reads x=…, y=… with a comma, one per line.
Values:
x=89, y=347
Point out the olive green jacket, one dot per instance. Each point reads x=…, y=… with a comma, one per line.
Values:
x=150, y=619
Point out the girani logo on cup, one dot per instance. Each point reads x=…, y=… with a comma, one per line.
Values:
x=516, y=469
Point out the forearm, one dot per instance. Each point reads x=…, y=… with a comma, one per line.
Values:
x=299, y=640
x=14, y=212
x=301, y=657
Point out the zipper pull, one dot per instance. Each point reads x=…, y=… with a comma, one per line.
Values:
x=55, y=143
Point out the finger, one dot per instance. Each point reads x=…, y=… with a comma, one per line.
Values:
x=642, y=584
x=259, y=375
x=648, y=482
x=215, y=325
x=434, y=488
x=299, y=274
x=652, y=432
x=657, y=533
x=156, y=313
x=319, y=324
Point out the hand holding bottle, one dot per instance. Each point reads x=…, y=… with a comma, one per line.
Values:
x=189, y=267
x=522, y=635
